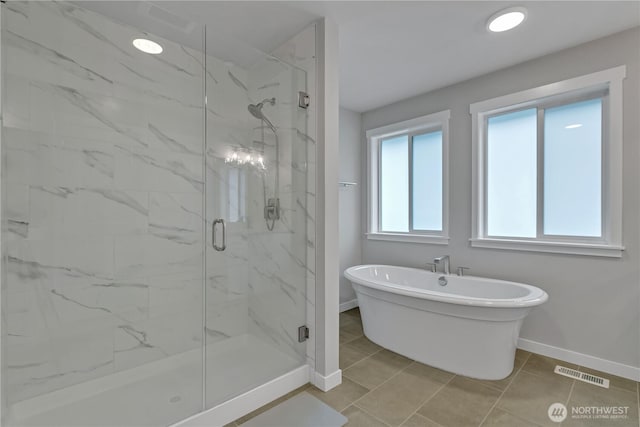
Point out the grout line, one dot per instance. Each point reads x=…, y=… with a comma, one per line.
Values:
x=381, y=384
x=505, y=390
x=362, y=360
x=423, y=402
x=415, y=414
x=520, y=417
x=427, y=399
x=371, y=415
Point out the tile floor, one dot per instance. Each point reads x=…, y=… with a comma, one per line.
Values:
x=381, y=389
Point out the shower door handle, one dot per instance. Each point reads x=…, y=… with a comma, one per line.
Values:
x=224, y=235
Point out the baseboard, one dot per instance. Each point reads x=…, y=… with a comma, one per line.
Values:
x=328, y=382
x=348, y=305
x=608, y=366
x=241, y=405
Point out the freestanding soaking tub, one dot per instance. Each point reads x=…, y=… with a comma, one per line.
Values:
x=468, y=326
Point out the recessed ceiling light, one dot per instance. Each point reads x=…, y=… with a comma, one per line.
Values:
x=147, y=46
x=573, y=126
x=507, y=19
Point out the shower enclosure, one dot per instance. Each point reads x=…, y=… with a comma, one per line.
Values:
x=155, y=221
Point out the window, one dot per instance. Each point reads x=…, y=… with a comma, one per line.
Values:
x=548, y=168
x=408, y=180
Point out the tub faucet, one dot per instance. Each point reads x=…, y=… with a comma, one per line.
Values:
x=445, y=263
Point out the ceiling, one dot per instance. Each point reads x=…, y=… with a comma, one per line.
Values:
x=390, y=50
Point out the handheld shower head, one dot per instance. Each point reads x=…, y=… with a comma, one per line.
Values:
x=256, y=111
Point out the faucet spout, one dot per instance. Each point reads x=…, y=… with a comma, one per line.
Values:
x=444, y=260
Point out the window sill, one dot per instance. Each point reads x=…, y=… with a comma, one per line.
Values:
x=603, y=250
x=411, y=238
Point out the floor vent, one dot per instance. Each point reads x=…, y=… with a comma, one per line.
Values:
x=582, y=376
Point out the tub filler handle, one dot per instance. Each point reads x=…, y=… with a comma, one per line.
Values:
x=461, y=271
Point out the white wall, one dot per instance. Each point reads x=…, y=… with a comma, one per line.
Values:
x=328, y=374
x=594, y=302
x=350, y=214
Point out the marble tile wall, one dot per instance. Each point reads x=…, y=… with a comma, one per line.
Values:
x=104, y=191
x=103, y=195
x=277, y=261
x=300, y=51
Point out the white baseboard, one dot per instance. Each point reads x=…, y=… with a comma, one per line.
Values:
x=348, y=305
x=608, y=366
x=250, y=401
x=328, y=382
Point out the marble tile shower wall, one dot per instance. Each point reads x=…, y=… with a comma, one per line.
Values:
x=103, y=188
x=300, y=51
x=277, y=259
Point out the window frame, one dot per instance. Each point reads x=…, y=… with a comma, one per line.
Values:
x=419, y=126
x=605, y=85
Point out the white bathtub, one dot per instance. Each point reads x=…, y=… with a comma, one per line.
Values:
x=469, y=327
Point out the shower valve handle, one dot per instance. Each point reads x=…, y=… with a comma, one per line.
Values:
x=224, y=235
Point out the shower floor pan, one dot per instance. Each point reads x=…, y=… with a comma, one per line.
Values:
x=159, y=393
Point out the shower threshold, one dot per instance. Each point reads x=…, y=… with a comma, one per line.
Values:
x=165, y=391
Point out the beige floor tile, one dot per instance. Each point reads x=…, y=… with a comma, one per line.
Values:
x=349, y=356
x=342, y=396
x=520, y=359
x=355, y=312
x=529, y=396
x=272, y=404
x=578, y=422
x=354, y=328
x=462, y=402
x=374, y=370
x=392, y=359
x=346, y=319
x=346, y=337
x=418, y=420
x=397, y=399
x=359, y=418
x=423, y=370
x=542, y=365
x=499, y=418
x=499, y=384
x=614, y=381
x=522, y=354
x=364, y=345
x=584, y=394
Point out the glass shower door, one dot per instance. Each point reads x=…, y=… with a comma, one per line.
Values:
x=103, y=238
x=256, y=267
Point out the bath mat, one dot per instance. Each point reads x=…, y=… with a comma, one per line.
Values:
x=302, y=410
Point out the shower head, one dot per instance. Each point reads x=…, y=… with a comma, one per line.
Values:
x=256, y=111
